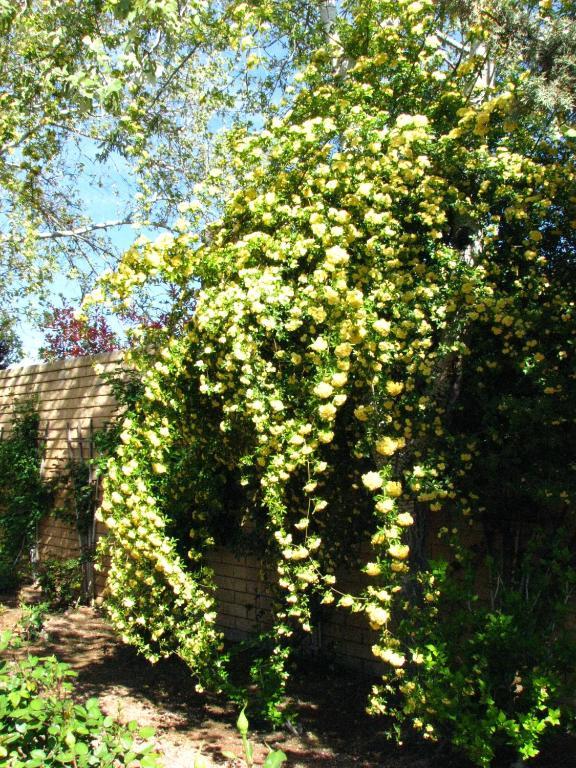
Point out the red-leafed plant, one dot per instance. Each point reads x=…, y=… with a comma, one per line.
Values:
x=67, y=335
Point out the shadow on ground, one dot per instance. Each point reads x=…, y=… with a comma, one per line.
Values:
x=333, y=730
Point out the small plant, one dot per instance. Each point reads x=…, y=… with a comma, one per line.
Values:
x=42, y=727
x=32, y=620
x=61, y=582
x=275, y=757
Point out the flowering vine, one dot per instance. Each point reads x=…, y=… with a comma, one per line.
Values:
x=385, y=307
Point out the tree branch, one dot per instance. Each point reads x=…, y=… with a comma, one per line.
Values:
x=84, y=230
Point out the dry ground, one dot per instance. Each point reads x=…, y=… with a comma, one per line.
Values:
x=333, y=730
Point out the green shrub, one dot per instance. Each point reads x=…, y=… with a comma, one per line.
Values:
x=61, y=582
x=25, y=496
x=32, y=620
x=42, y=727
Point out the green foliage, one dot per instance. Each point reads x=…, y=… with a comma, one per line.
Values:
x=24, y=496
x=381, y=352
x=10, y=345
x=489, y=673
x=61, y=582
x=129, y=88
x=32, y=620
x=83, y=494
x=42, y=727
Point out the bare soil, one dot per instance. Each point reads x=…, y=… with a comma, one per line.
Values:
x=332, y=730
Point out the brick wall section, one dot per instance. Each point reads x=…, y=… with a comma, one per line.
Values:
x=244, y=607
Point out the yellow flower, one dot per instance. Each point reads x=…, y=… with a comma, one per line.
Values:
x=394, y=388
x=382, y=327
x=339, y=379
x=337, y=255
x=153, y=438
x=327, y=411
x=393, y=488
x=385, y=505
x=355, y=298
x=405, y=519
x=347, y=601
x=372, y=569
x=323, y=390
x=393, y=658
x=362, y=412
x=319, y=344
x=344, y=349
x=399, y=551
x=387, y=446
x=377, y=616
x=372, y=480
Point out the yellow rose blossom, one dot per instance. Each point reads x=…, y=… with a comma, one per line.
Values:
x=319, y=344
x=387, y=446
x=327, y=411
x=382, y=327
x=393, y=488
x=385, y=505
x=405, y=519
x=323, y=389
x=346, y=601
x=394, y=388
x=339, y=379
x=372, y=480
x=337, y=255
x=392, y=657
x=343, y=350
x=399, y=551
x=377, y=616
x=362, y=413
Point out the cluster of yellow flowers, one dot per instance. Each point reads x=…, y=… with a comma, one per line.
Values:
x=335, y=317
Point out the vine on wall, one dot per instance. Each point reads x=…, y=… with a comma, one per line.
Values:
x=24, y=496
x=380, y=350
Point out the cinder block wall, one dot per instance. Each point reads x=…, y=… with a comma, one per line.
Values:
x=72, y=400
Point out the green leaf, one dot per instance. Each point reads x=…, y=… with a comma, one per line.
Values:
x=149, y=761
x=274, y=759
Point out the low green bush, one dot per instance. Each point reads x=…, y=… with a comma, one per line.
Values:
x=32, y=620
x=42, y=727
x=61, y=582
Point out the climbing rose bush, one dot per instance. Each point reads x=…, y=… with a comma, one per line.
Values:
x=380, y=352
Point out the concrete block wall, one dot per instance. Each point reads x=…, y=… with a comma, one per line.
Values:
x=244, y=600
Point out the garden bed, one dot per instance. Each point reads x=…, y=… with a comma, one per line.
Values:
x=332, y=728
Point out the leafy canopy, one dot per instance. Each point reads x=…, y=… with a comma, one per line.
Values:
x=110, y=113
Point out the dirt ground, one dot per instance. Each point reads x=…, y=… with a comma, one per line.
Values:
x=333, y=730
